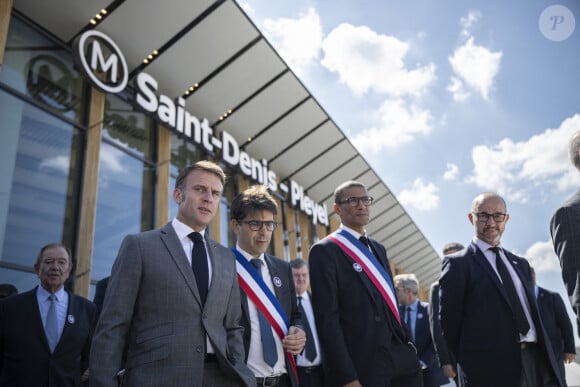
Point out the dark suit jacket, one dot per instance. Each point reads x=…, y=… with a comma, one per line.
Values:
x=432, y=375
x=100, y=290
x=286, y=295
x=25, y=358
x=477, y=320
x=439, y=343
x=565, y=230
x=153, y=310
x=557, y=324
x=355, y=325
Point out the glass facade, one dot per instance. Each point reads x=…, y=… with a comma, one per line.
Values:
x=43, y=143
x=41, y=147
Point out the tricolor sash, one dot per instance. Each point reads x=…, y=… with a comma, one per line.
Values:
x=258, y=292
x=362, y=256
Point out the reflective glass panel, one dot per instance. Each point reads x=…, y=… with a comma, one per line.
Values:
x=40, y=167
x=36, y=66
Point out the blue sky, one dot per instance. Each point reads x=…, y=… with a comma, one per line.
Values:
x=447, y=99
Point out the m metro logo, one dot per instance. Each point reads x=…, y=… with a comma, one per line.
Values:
x=102, y=61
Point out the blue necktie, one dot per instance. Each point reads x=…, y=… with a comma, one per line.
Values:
x=199, y=265
x=51, y=328
x=268, y=343
x=310, y=348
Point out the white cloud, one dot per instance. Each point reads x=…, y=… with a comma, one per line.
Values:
x=516, y=169
x=457, y=89
x=468, y=21
x=111, y=160
x=398, y=122
x=246, y=7
x=365, y=60
x=451, y=172
x=298, y=41
x=59, y=163
x=542, y=257
x=475, y=68
x=421, y=196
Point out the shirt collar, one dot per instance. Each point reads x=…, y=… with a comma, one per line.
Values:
x=43, y=294
x=484, y=246
x=355, y=234
x=249, y=257
x=183, y=230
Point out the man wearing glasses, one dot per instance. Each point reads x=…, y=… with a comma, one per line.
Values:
x=488, y=310
x=360, y=330
x=270, y=315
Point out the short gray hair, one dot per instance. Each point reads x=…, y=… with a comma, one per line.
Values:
x=409, y=281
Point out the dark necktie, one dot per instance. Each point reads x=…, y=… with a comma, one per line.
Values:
x=364, y=240
x=51, y=328
x=199, y=265
x=310, y=348
x=508, y=284
x=268, y=343
x=408, y=322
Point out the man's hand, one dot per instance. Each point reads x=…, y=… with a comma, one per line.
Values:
x=448, y=371
x=569, y=357
x=295, y=340
x=354, y=383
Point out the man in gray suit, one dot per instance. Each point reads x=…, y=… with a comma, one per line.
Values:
x=174, y=307
x=565, y=230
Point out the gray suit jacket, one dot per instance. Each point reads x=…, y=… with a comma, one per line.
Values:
x=152, y=310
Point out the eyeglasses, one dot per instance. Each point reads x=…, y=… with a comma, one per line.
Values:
x=354, y=201
x=256, y=225
x=484, y=216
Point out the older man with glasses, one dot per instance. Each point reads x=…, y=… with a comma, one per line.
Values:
x=488, y=310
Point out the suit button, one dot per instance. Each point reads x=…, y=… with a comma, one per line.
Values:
x=199, y=349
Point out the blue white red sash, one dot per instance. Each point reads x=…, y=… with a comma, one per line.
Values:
x=362, y=256
x=252, y=283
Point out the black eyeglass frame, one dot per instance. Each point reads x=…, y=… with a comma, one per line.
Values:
x=353, y=201
x=483, y=217
x=256, y=225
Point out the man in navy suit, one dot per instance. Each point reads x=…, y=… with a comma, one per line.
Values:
x=448, y=365
x=46, y=333
x=253, y=213
x=565, y=231
x=354, y=302
x=557, y=324
x=415, y=314
x=488, y=311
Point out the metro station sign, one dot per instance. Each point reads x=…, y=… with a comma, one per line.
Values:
x=103, y=63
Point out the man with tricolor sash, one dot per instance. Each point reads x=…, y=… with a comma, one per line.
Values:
x=354, y=302
x=270, y=315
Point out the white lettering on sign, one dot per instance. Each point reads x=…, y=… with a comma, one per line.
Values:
x=172, y=113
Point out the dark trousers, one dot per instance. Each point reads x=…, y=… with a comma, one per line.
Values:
x=536, y=369
x=389, y=372
x=311, y=376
